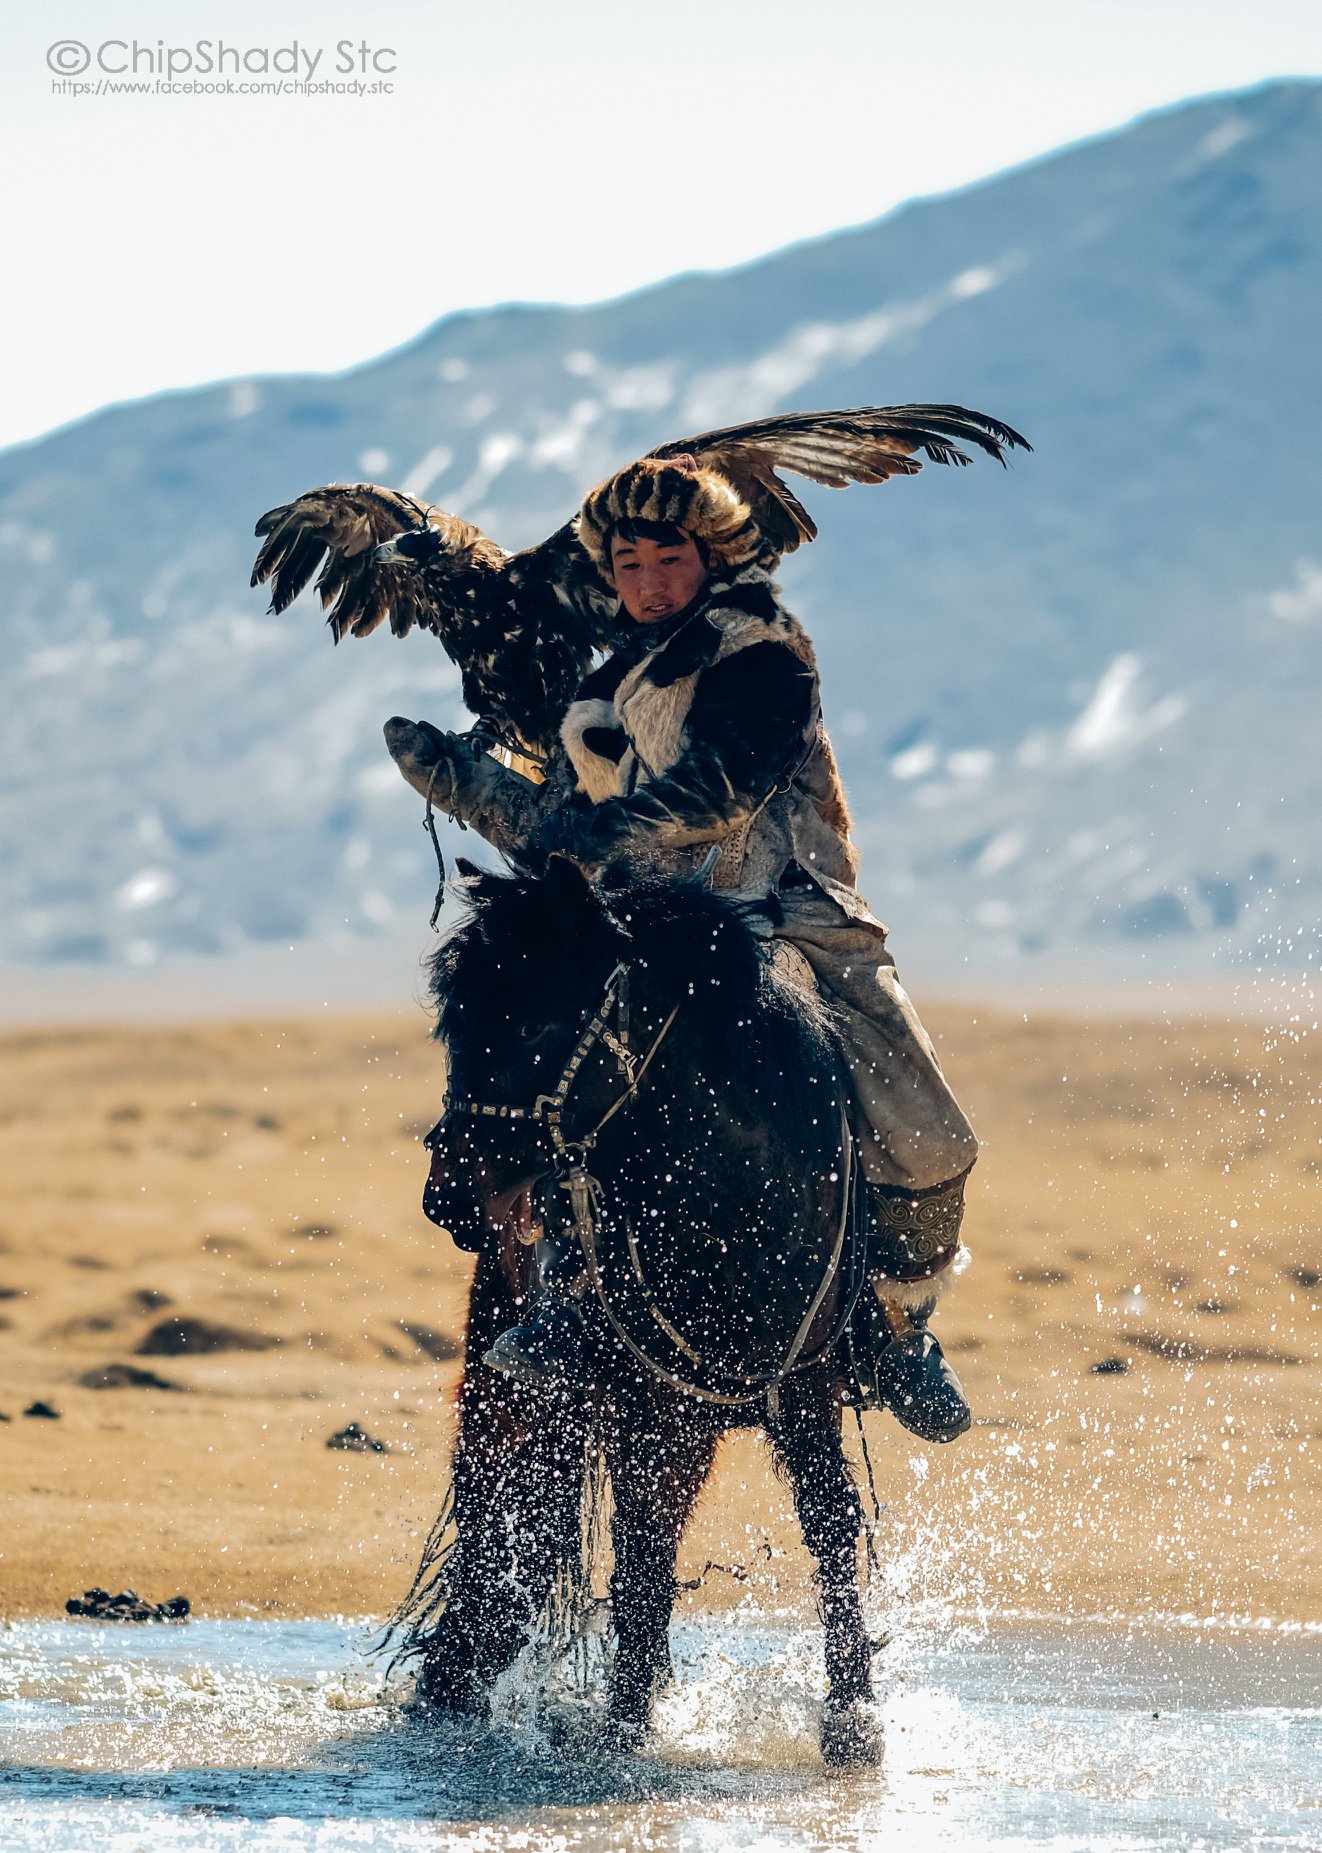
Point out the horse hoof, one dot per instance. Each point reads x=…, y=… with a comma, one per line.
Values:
x=850, y=1737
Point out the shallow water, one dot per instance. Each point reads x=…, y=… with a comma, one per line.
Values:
x=282, y=1734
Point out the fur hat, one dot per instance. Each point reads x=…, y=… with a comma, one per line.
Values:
x=678, y=491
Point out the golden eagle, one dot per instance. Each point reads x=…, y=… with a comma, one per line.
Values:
x=523, y=627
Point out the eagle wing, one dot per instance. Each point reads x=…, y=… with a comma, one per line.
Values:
x=523, y=627
x=346, y=523
x=867, y=444
x=520, y=628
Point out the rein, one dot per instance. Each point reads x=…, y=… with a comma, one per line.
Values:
x=429, y=825
x=548, y=1109
x=586, y=1199
x=766, y=1383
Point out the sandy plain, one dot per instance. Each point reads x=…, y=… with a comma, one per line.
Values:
x=1146, y=1201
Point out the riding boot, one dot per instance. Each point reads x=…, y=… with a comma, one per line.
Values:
x=913, y=1241
x=549, y=1346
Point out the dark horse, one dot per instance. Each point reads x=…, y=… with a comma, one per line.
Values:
x=628, y=1061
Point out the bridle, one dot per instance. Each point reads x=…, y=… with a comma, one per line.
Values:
x=548, y=1109
x=586, y=1198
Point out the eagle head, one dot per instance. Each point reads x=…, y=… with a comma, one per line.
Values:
x=415, y=547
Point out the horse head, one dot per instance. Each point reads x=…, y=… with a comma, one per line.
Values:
x=529, y=970
x=512, y=984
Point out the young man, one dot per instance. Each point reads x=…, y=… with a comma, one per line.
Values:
x=702, y=730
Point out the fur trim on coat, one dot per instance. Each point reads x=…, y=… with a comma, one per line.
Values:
x=712, y=733
x=581, y=734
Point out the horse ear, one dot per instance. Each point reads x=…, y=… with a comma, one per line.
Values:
x=564, y=871
x=565, y=881
x=614, y=879
x=479, y=884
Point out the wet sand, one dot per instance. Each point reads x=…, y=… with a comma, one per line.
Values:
x=1146, y=1201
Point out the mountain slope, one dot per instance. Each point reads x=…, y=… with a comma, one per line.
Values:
x=1074, y=700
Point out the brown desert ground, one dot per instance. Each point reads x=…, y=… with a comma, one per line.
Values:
x=1138, y=1333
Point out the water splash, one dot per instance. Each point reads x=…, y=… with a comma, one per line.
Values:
x=281, y=1735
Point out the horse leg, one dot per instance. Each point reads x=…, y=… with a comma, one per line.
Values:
x=656, y=1477
x=518, y=1478
x=806, y=1437
x=518, y=1503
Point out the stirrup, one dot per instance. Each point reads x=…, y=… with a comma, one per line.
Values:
x=549, y=1349
x=907, y=1373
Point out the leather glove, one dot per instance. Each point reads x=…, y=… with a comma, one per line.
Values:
x=585, y=832
x=416, y=746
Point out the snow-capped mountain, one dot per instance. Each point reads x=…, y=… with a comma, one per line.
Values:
x=1075, y=700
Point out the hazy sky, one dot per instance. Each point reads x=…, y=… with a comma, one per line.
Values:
x=566, y=150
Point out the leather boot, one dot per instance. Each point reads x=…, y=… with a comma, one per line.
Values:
x=549, y=1347
x=898, y=1363
x=906, y=1371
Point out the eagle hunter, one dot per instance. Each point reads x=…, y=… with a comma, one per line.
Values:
x=522, y=628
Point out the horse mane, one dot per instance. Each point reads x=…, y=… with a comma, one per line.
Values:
x=689, y=940
x=697, y=942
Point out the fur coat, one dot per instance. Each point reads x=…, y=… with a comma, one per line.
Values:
x=698, y=732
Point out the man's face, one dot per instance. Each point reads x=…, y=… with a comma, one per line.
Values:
x=656, y=578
